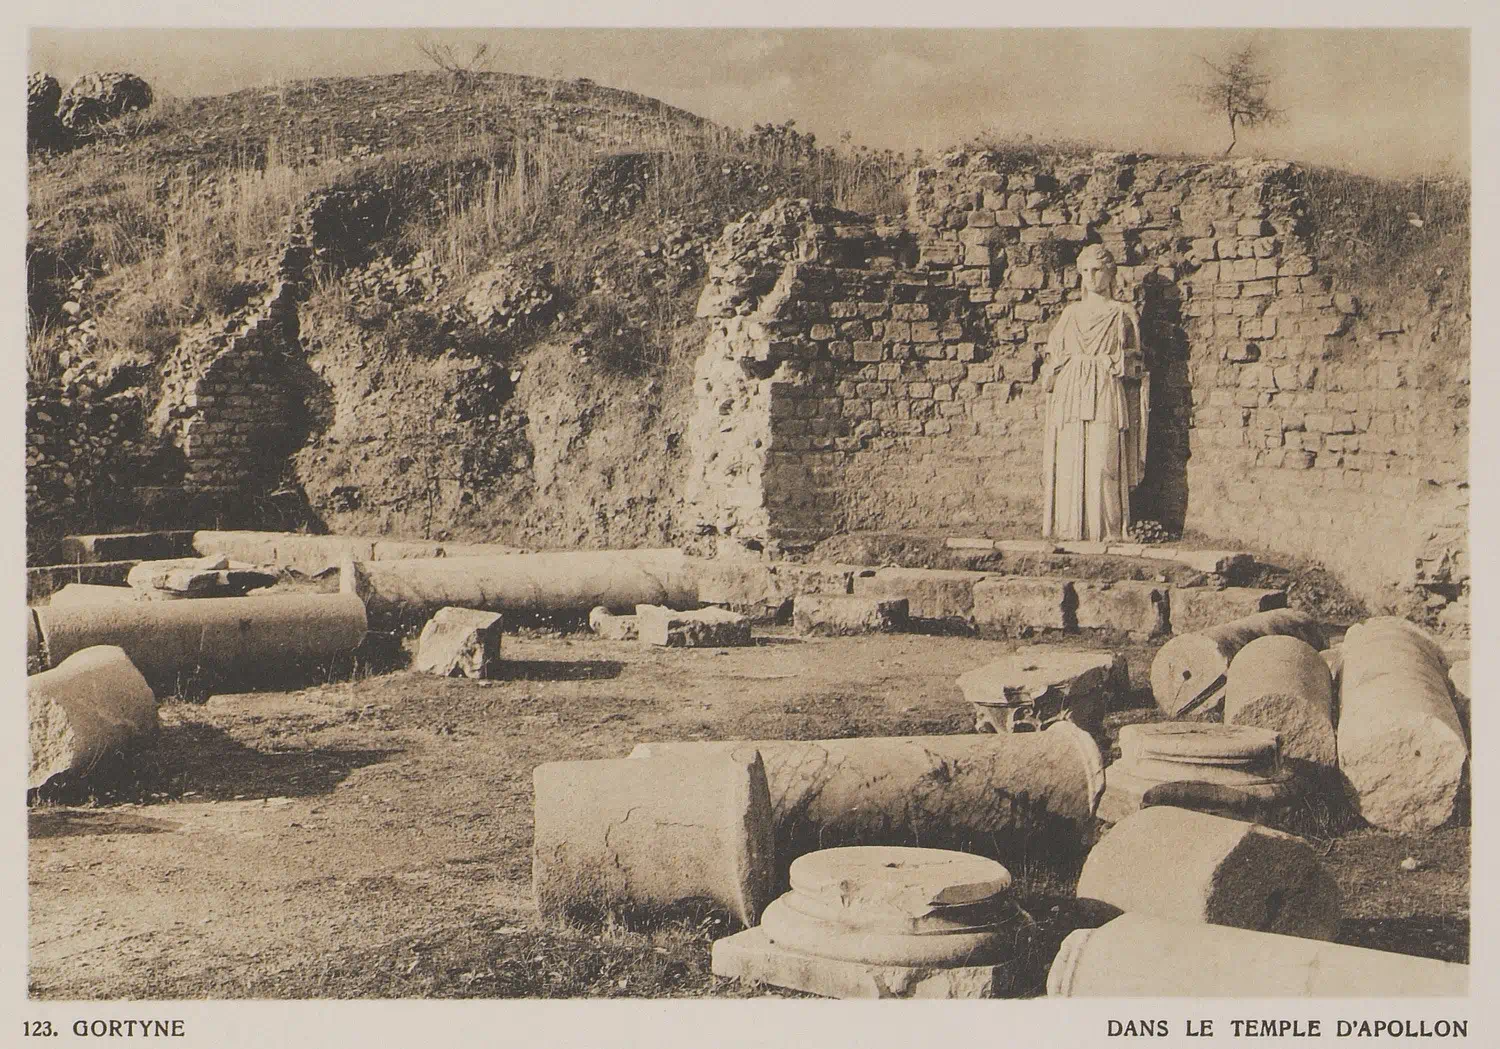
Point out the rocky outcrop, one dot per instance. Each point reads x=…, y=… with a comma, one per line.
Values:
x=97, y=97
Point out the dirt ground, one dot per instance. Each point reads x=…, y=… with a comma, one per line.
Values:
x=372, y=837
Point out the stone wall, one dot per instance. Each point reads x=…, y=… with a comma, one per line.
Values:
x=864, y=375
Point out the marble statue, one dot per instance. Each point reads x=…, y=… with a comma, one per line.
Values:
x=1098, y=400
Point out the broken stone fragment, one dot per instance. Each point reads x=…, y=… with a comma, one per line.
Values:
x=1401, y=745
x=613, y=628
x=1139, y=956
x=1282, y=684
x=1189, y=672
x=460, y=642
x=211, y=576
x=642, y=837
x=1197, y=608
x=835, y=615
x=704, y=628
x=1038, y=684
x=1193, y=867
x=90, y=705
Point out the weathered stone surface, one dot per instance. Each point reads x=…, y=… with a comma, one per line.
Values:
x=1241, y=759
x=1400, y=743
x=613, y=628
x=1022, y=606
x=930, y=593
x=47, y=579
x=89, y=705
x=91, y=594
x=1040, y=683
x=233, y=635
x=765, y=590
x=750, y=956
x=1192, y=867
x=460, y=642
x=95, y=97
x=1138, y=956
x=1135, y=608
x=1282, y=684
x=1189, y=672
x=844, y=615
x=211, y=576
x=704, y=628
x=128, y=546
x=639, y=835
x=1227, y=563
x=991, y=795
x=1196, y=608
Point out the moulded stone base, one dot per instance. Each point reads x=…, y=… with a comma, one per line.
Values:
x=751, y=956
x=1124, y=793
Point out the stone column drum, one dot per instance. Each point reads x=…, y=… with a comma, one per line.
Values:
x=563, y=583
x=1188, y=674
x=1401, y=746
x=1281, y=683
x=90, y=704
x=1238, y=767
x=226, y=635
x=643, y=836
x=1004, y=796
x=1193, y=867
x=1138, y=956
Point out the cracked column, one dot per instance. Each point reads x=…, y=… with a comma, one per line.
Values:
x=1004, y=796
x=643, y=838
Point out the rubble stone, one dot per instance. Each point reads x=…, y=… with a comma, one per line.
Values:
x=1193, y=867
x=89, y=705
x=705, y=628
x=843, y=615
x=460, y=642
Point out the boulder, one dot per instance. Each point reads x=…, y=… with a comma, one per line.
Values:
x=460, y=642
x=90, y=705
x=704, y=628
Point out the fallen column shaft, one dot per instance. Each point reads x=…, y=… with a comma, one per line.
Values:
x=1281, y=683
x=1401, y=746
x=226, y=635
x=1138, y=956
x=1188, y=674
x=92, y=703
x=648, y=836
x=565, y=583
x=1005, y=796
x=1193, y=867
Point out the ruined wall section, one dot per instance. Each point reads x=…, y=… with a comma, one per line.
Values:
x=886, y=375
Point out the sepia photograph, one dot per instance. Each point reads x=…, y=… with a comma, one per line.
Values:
x=846, y=513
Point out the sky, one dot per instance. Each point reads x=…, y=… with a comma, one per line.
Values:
x=1380, y=101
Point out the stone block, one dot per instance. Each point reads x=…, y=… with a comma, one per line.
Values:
x=1197, y=868
x=704, y=628
x=91, y=594
x=930, y=593
x=1020, y=606
x=90, y=705
x=761, y=590
x=611, y=627
x=843, y=615
x=1138, y=609
x=1200, y=607
x=1036, y=685
x=460, y=642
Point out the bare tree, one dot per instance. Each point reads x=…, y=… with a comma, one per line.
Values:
x=463, y=72
x=1236, y=88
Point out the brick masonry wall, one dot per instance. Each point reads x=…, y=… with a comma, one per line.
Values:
x=884, y=376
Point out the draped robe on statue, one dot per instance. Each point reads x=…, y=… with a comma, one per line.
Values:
x=1097, y=407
